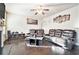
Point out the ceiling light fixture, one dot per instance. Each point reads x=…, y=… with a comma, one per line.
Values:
x=40, y=10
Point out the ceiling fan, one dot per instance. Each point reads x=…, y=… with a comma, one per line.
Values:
x=40, y=10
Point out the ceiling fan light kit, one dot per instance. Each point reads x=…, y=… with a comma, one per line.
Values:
x=40, y=10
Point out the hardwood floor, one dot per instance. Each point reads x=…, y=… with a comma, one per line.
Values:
x=18, y=47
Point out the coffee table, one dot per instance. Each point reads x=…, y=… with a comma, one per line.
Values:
x=35, y=42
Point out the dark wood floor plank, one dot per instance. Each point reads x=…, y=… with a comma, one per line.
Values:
x=18, y=47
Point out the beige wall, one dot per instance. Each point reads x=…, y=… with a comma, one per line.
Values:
x=72, y=24
x=19, y=22
x=48, y=22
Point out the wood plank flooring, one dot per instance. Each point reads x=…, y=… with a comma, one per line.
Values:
x=18, y=47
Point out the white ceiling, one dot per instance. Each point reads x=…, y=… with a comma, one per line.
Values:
x=24, y=9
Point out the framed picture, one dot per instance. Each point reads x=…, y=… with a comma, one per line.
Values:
x=68, y=17
x=32, y=21
x=61, y=18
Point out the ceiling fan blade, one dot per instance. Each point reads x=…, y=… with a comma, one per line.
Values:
x=43, y=13
x=36, y=13
x=46, y=9
x=33, y=9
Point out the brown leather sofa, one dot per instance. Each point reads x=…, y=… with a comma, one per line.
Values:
x=35, y=37
x=37, y=32
x=62, y=33
x=64, y=37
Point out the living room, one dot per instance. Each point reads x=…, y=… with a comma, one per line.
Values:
x=46, y=29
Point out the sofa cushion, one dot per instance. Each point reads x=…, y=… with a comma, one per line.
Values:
x=53, y=39
x=69, y=33
x=58, y=40
x=39, y=33
x=52, y=32
x=58, y=33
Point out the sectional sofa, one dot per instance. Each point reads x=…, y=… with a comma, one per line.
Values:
x=65, y=38
x=62, y=37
